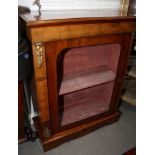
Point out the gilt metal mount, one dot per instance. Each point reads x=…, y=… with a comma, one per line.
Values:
x=46, y=133
x=39, y=49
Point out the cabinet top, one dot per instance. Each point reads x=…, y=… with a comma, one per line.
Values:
x=55, y=17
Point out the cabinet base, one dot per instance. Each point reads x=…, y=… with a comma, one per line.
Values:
x=63, y=136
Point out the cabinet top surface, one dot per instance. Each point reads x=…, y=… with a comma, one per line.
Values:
x=67, y=16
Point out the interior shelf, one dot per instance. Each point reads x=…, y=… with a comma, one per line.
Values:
x=82, y=104
x=78, y=112
x=88, y=78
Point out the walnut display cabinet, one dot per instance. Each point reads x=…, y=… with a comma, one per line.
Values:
x=79, y=62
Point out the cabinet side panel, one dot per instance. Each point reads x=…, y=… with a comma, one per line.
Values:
x=41, y=86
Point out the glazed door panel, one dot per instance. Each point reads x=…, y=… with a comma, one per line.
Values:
x=84, y=76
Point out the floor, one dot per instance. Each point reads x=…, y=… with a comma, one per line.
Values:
x=113, y=139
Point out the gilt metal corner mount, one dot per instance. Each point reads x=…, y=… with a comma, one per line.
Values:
x=39, y=49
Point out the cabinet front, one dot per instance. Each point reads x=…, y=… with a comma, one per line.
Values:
x=83, y=77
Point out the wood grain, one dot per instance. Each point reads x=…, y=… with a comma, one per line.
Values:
x=53, y=49
x=66, y=135
x=87, y=79
x=41, y=86
x=51, y=33
x=60, y=34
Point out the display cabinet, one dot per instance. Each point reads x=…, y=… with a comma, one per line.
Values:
x=79, y=61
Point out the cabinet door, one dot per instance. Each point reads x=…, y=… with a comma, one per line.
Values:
x=84, y=77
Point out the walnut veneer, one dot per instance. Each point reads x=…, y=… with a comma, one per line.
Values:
x=79, y=63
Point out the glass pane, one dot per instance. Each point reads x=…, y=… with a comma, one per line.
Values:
x=85, y=81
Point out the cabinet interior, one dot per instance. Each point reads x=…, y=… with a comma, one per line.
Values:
x=86, y=78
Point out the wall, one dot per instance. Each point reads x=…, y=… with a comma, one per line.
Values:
x=72, y=4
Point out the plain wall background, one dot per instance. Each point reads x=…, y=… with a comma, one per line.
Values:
x=71, y=4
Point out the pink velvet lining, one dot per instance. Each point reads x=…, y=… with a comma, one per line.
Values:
x=82, y=58
x=86, y=103
x=86, y=77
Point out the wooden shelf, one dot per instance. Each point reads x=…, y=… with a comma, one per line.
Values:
x=91, y=77
x=84, y=110
x=132, y=66
x=129, y=86
x=129, y=97
x=130, y=93
x=132, y=72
